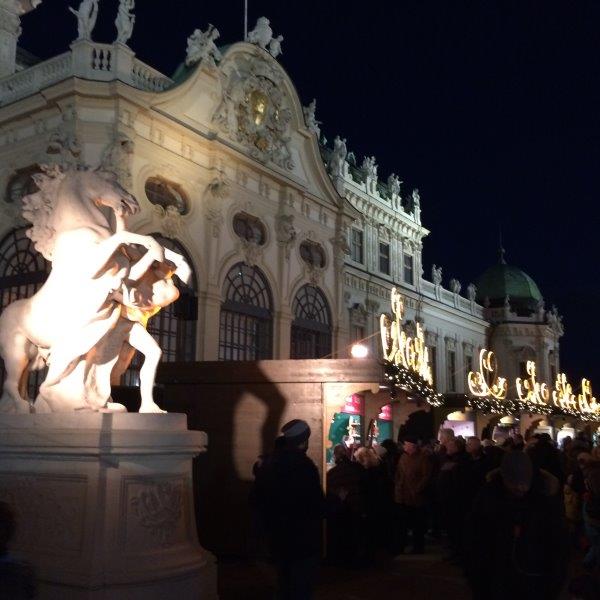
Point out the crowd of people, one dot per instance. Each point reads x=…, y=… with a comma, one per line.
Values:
x=514, y=516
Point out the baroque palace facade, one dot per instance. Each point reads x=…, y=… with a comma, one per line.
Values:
x=295, y=245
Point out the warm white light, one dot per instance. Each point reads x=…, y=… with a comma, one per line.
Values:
x=359, y=351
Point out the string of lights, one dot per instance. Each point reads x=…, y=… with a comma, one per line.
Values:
x=401, y=378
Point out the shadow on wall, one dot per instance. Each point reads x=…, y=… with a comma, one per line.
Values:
x=242, y=420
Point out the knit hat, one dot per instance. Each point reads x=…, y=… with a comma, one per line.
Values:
x=516, y=469
x=296, y=432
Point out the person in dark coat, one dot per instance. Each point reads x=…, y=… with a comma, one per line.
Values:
x=290, y=501
x=517, y=538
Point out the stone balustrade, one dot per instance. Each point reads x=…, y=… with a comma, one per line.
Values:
x=87, y=60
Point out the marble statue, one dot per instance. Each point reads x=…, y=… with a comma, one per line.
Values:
x=105, y=283
x=201, y=47
x=275, y=46
x=125, y=21
x=455, y=286
x=472, y=292
x=369, y=167
x=394, y=183
x=436, y=275
x=507, y=302
x=310, y=118
x=338, y=157
x=416, y=198
x=262, y=34
x=86, y=14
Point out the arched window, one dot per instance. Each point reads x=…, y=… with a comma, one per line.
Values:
x=21, y=184
x=246, y=324
x=311, y=328
x=166, y=193
x=174, y=327
x=23, y=270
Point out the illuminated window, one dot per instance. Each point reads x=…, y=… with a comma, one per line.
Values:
x=408, y=269
x=249, y=228
x=21, y=184
x=174, y=326
x=165, y=193
x=312, y=254
x=246, y=322
x=311, y=328
x=356, y=245
x=384, y=258
x=23, y=270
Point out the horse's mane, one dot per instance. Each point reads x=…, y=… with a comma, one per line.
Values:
x=39, y=207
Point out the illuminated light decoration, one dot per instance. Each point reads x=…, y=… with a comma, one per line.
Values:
x=562, y=395
x=485, y=383
x=586, y=401
x=400, y=349
x=409, y=381
x=359, y=351
x=530, y=390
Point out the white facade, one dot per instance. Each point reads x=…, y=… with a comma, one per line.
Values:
x=230, y=137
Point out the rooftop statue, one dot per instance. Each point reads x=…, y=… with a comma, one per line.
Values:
x=86, y=14
x=472, y=291
x=338, y=156
x=436, y=275
x=455, y=286
x=125, y=21
x=394, y=184
x=416, y=198
x=201, y=47
x=105, y=284
x=310, y=118
x=275, y=46
x=262, y=34
x=369, y=167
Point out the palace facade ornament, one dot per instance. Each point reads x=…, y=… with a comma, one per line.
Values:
x=262, y=36
x=125, y=21
x=285, y=232
x=201, y=47
x=555, y=321
x=254, y=110
x=117, y=158
x=65, y=147
x=472, y=292
x=369, y=167
x=436, y=275
x=394, y=183
x=171, y=221
x=455, y=286
x=358, y=315
x=275, y=46
x=310, y=117
x=86, y=14
x=338, y=157
x=250, y=251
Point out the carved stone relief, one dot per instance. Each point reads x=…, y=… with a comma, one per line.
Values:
x=117, y=159
x=286, y=233
x=254, y=110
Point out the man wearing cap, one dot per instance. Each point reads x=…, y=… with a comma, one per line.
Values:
x=412, y=477
x=290, y=502
x=516, y=534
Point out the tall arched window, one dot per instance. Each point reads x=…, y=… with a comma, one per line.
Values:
x=174, y=327
x=246, y=325
x=311, y=328
x=23, y=270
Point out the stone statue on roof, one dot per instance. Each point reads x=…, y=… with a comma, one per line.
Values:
x=455, y=286
x=201, y=47
x=394, y=183
x=338, y=157
x=436, y=275
x=86, y=14
x=125, y=21
x=416, y=198
x=369, y=167
x=309, y=116
x=262, y=34
x=275, y=46
x=472, y=291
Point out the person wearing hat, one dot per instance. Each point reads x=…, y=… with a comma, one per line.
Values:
x=516, y=533
x=412, y=478
x=289, y=499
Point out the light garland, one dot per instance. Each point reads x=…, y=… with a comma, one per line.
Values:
x=402, y=378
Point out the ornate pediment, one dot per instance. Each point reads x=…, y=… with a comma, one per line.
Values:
x=254, y=111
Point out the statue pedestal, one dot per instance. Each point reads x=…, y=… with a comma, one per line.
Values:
x=105, y=505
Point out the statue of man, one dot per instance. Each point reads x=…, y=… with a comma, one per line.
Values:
x=338, y=156
x=201, y=46
x=86, y=18
x=309, y=116
x=472, y=291
x=369, y=167
x=262, y=34
x=275, y=46
x=436, y=275
x=125, y=21
x=394, y=184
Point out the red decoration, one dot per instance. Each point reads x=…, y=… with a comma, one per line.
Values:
x=386, y=413
x=354, y=405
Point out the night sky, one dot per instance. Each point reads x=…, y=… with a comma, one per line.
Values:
x=491, y=109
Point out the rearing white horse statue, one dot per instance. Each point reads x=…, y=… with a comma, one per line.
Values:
x=101, y=287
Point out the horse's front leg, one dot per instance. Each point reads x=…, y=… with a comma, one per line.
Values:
x=142, y=341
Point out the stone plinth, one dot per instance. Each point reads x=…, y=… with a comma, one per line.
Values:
x=105, y=504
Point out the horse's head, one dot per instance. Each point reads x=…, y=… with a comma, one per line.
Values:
x=105, y=190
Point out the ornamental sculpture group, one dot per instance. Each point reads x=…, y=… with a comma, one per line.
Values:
x=89, y=317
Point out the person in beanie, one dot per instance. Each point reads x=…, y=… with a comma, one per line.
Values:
x=517, y=538
x=290, y=502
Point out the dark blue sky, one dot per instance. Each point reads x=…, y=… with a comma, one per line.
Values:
x=491, y=109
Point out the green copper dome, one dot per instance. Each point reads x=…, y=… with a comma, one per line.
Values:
x=502, y=280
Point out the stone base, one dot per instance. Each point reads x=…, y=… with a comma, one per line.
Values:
x=104, y=504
